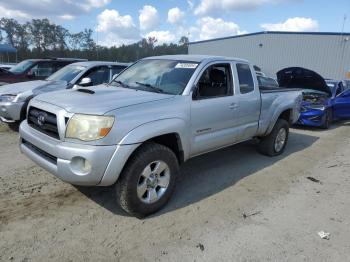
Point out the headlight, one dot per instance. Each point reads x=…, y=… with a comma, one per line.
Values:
x=8, y=98
x=317, y=107
x=89, y=127
x=303, y=109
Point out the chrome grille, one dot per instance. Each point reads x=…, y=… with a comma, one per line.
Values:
x=43, y=121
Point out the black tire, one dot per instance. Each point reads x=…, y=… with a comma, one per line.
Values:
x=126, y=186
x=329, y=119
x=267, y=143
x=14, y=126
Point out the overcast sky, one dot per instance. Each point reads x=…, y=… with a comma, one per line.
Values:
x=127, y=21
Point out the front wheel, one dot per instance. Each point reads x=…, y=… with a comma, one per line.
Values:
x=148, y=180
x=275, y=143
x=328, y=119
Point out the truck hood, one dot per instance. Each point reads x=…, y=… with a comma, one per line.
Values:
x=298, y=77
x=15, y=89
x=99, y=99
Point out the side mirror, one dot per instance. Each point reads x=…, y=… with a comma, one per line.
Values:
x=86, y=81
x=114, y=76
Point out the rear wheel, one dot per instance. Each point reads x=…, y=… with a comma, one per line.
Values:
x=275, y=143
x=148, y=180
x=328, y=119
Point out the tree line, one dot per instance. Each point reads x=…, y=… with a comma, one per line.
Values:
x=40, y=38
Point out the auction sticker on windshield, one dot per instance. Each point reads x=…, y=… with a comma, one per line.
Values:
x=186, y=65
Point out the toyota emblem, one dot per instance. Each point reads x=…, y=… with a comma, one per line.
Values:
x=41, y=119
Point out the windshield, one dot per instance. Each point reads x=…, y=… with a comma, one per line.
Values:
x=161, y=76
x=67, y=73
x=22, y=66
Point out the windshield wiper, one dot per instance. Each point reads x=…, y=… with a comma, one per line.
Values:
x=156, y=89
x=121, y=83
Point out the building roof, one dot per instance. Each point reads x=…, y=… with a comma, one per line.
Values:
x=194, y=58
x=273, y=32
x=5, y=48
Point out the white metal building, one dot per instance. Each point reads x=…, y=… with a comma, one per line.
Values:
x=326, y=53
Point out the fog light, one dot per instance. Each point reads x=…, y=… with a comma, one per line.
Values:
x=80, y=166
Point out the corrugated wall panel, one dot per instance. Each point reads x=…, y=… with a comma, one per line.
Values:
x=329, y=55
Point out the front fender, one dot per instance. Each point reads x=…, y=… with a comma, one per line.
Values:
x=156, y=128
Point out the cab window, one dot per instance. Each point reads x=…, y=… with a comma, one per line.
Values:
x=246, y=82
x=340, y=88
x=117, y=69
x=42, y=69
x=216, y=81
x=98, y=75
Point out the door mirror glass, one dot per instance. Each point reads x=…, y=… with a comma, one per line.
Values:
x=86, y=81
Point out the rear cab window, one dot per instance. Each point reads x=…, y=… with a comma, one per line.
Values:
x=245, y=78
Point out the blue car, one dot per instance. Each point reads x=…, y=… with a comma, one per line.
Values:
x=323, y=100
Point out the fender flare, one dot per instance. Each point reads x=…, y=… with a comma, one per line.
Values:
x=275, y=117
x=157, y=128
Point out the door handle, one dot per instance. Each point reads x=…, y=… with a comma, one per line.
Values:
x=233, y=106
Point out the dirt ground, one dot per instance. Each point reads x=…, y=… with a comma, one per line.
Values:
x=229, y=205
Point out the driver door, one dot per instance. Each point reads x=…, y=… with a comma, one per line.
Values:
x=341, y=106
x=213, y=109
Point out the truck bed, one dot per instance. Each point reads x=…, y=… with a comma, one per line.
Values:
x=272, y=98
x=264, y=89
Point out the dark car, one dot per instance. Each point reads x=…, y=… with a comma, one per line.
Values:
x=323, y=100
x=34, y=69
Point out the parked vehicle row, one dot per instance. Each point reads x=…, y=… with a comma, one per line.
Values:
x=33, y=69
x=14, y=98
x=155, y=115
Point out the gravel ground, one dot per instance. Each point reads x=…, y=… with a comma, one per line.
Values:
x=230, y=205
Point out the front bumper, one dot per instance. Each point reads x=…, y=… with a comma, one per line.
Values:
x=313, y=117
x=66, y=160
x=10, y=111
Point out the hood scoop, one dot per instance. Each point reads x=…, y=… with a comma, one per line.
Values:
x=87, y=91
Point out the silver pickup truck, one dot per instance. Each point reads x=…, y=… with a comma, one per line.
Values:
x=154, y=116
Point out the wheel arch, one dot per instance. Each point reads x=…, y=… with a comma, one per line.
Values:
x=286, y=114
